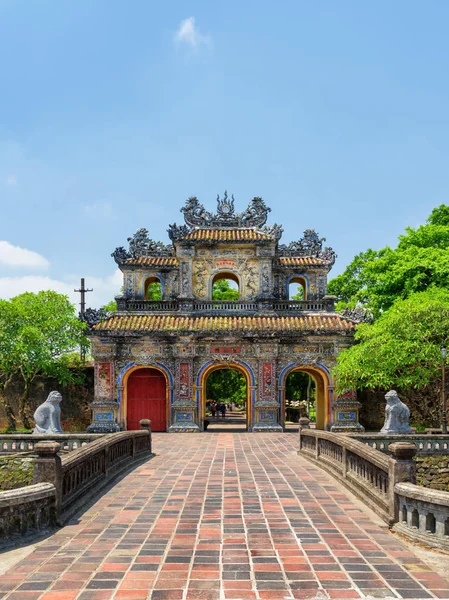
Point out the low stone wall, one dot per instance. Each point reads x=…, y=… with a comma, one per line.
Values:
x=62, y=485
x=26, y=511
x=432, y=471
x=23, y=442
x=385, y=483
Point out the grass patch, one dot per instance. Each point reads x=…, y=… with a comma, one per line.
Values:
x=15, y=472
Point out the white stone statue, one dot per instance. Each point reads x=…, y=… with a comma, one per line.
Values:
x=397, y=415
x=47, y=416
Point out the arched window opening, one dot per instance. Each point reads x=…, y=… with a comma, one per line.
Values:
x=225, y=286
x=415, y=518
x=153, y=288
x=300, y=397
x=297, y=288
x=404, y=514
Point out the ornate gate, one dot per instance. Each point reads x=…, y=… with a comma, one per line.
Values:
x=147, y=399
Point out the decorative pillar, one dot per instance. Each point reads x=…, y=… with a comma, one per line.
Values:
x=346, y=413
x=184, y=417
x=104, y=407
x=266, y=417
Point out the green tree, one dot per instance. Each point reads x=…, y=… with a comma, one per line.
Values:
x=222, y=290
x=154, y=291
x=37, y=331
x=401, y=349
x=227, y=385
x=111, y=306
x=376, y=278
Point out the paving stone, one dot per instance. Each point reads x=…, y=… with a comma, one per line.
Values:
x=231, y=516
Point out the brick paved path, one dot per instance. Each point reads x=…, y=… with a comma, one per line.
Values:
x=222, y=516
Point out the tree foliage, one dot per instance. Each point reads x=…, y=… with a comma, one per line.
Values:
x=154, y=291
x=401, y=349
x=222, y=290
x=377, y=278
x=226, y=385
x=111, y=306
x=37, y=331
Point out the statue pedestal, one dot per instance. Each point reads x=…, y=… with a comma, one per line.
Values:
x=184, y=419
x=104, y=417
x=346, y=414
x=267, y=418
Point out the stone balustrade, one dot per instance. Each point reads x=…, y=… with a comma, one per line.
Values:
x=213, y=307
x=385, y=483
x=425, y=443
x=23, y=442
x=63, y=484
x=423, y=515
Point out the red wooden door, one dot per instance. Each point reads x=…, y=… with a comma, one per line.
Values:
x=146, y=399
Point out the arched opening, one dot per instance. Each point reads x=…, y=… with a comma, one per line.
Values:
x=300, y=397
x=153, y=288
x=320, y=409
x=225, y=286
x=431, y=523
x=226, y=398
x=146, y=398
x=297, y=288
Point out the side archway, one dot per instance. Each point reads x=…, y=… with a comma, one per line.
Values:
x=324, y=389
x=238, y=365
x=141, y=391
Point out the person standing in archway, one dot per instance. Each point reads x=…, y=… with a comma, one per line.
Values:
x=223, y=410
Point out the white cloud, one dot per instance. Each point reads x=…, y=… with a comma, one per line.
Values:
x=189, y=34
x=99, y=211
x=104, y=289
x=11, y=180
x=14, y=256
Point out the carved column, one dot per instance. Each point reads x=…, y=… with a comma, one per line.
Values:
x=104, y=407
x=184, y=417
x=266, y=409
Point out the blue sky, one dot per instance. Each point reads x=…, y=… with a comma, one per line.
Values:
x=112, y=113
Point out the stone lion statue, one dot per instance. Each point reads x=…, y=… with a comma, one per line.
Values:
x=48, y=415
x=397, y=415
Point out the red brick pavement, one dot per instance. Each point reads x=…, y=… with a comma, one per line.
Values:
x=222, y=516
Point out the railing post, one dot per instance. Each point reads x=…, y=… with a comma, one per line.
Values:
x=317, y=447
x=402, y=469
x=47, y=469
x=344, y=460
x=145, y=424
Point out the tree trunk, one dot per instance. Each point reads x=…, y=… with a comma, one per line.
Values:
x=5, y=404
x=23, y=405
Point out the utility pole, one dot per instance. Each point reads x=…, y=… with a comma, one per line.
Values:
x=83, y=290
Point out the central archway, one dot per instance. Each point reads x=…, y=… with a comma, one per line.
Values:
x=202, y=398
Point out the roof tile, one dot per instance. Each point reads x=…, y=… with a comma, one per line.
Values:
x=162, y=323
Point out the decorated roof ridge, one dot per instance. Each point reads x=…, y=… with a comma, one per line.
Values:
x=310, y=245
x=197, y=217
x=140, y=245
x=176, y=323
